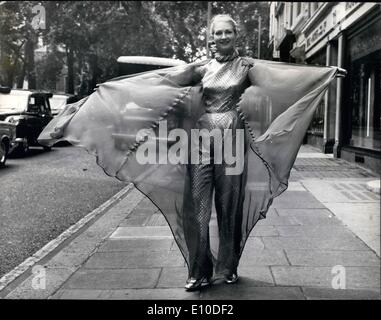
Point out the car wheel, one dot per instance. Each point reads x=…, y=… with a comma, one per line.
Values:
x=3, y=154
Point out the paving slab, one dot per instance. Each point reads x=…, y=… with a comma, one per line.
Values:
x=254, y=245
x=156, y=219
x=257, y=276
x=227, y=292
x=290, y=217
x=313, y=155
x=134, y=259
x=264, y=231
x=363, y=219
x=146, y=203
x=315, y=243
x=107, y=279
x=136, y=245
x=173, y=277
x=135, y=220
x=346, y=191
x=315, y=231
x=80, y=294
x=264, y=257
x=312, y=217
x=356, y=277
x=301, y=212
x=340, y=294
x=275, y=220
x=142, y=232
x=331, y=258
x=296, y=199
x=295, y=186
x=153, y=294
x=316, y=220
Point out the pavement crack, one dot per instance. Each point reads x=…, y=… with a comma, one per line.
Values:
x=158, y=278
x=288, y=260
x=303, y=293
x=272, y=275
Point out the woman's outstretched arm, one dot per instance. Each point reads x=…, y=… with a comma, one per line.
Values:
x=188, y=75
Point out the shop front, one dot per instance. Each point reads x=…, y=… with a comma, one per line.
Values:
x=361, y=112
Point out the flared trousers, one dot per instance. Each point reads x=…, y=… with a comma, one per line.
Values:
x=202, y=180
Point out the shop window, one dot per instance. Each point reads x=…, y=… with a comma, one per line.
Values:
x=365, y=102
x=363, y=98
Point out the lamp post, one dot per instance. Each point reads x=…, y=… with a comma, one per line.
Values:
x=208, y=27
x=257, y=15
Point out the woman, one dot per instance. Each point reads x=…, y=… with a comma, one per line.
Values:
x=231, y=96
x=224, y=79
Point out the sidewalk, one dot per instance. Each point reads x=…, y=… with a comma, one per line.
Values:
x=326, y=222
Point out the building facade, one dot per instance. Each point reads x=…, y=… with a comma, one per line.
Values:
x=348, y=35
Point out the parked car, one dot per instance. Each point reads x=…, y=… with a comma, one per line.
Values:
x=7, y=140
x=59, y=101
x=29, y=111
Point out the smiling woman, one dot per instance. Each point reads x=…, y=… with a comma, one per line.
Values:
x=224, y=32
x=228, y=93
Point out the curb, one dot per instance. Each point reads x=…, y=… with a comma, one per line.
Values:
x=53, y=244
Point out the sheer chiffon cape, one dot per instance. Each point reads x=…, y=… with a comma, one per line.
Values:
x=277, y=109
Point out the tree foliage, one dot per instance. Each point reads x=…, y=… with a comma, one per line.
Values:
x=88, y=36
x=18, y=39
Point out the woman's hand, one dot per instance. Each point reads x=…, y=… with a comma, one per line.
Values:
x=341, y=73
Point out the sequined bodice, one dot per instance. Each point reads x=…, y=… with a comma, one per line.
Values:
x=223, y=84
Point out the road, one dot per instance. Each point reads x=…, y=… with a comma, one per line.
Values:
x=43, y=194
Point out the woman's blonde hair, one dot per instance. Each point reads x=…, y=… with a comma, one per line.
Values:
x=223, y=17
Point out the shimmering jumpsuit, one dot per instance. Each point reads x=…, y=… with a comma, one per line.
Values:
x=223, y=84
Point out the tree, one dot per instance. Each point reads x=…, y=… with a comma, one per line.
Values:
x=18, y=41
x=94, y=34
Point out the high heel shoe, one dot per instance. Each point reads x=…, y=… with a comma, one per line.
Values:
x=231, y=278
x=193, y=284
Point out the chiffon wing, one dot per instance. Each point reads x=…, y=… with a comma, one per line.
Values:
x=278, y=108
x=121, y=125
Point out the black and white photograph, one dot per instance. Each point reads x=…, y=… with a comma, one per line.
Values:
x=196, y=151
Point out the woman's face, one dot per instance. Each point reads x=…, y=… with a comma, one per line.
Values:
x=224, y=36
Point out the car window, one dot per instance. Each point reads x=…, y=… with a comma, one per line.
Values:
x=34, y=108
x=37, y=105
x=58, y=102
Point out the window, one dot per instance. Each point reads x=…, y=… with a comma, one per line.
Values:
x=365, y=98
x=36, y=105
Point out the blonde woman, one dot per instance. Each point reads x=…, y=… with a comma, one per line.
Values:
x=258, y=112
